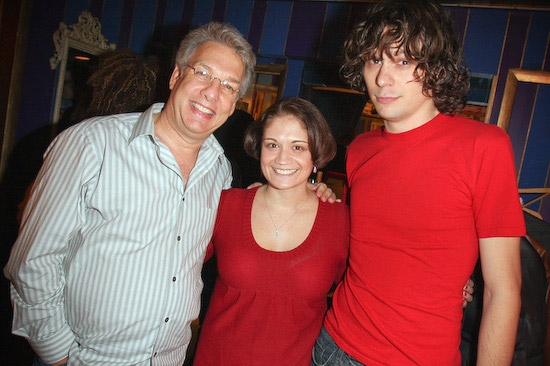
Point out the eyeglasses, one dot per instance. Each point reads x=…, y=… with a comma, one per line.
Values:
x=227, y=87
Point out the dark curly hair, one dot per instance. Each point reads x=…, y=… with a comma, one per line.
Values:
x=320, y=140
x=423, y=30
x=123, y=82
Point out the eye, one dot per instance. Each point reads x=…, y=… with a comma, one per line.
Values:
x=227, y=87
x=202, y=74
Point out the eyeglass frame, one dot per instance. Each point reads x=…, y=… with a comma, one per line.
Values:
x=223, y=83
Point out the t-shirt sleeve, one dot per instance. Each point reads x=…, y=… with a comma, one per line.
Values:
x=496, y=205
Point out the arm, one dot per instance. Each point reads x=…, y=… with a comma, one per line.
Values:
x=37, y=261
x=500, y=262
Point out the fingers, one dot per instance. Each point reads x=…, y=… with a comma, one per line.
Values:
x=324, y=193
x=469, y=287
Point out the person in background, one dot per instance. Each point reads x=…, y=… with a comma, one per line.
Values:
x=123, y=82
x=136, y=77
x=245, y=169
x=106, y=268
x=429, y=194
x=279, y=249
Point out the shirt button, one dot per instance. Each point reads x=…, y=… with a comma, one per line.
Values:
x=166, y=320
x=179, y=238
x=173, y=279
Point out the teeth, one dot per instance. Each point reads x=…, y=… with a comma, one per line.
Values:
x=285, y=171
x=203, y=109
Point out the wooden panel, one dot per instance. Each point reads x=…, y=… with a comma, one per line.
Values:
x=305, y=30
x=238, y=13
x=513, y=78
x=275, y=30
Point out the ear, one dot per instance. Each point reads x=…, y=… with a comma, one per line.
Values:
x=174, y=77
x=233, y=106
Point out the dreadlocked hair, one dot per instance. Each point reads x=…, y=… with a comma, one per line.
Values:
x=123, y=82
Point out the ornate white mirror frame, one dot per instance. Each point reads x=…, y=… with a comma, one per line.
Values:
x=83, y=36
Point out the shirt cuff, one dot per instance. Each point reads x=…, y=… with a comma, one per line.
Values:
x=54, y=348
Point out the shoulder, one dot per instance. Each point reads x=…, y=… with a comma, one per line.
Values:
x=366, y=137
x=473, y=127
x=480, y=135
x=235, y=193
x=337, y=211
x=233, y=196
x=103, y=126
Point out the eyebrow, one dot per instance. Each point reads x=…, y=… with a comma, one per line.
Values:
x=209, y=69
x=293, y=141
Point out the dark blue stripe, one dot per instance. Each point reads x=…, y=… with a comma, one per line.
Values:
x=257, y=23
x=110, y=21
x=334, y=31
x=305, y=29
x=96, y=8
x=126, y=20
x=512, y=53
x=218, y=12
x=238, y=13
x=274, y=35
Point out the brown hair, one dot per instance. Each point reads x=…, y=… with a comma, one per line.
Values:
x=123, y=82
x=423, y=30
x=320, y=140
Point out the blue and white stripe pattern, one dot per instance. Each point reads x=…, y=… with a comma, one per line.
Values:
x=108, y=261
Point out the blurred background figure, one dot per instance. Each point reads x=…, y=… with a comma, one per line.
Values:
x=123, y=81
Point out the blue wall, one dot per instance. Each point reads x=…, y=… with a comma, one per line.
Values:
x=294, y=32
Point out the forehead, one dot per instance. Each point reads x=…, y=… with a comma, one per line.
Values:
x=285, y=125
x=220, y=59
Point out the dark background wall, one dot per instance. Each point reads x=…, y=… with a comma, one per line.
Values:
x=301, y=34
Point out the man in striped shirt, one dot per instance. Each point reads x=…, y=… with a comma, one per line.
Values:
x=106, y=268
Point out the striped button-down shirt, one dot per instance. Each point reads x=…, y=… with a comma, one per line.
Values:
x=107, y=264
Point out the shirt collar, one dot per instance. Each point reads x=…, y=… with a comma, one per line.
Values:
x=145, y=125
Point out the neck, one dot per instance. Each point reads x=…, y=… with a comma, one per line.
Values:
x=423, y=115
x=167, y=132
x=184, y=152
x=285, y=197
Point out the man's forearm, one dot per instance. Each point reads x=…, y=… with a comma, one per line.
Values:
x=497, y=333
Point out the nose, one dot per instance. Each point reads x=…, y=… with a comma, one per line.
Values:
x=283, y=157
x=211, y=90
x=384, y=76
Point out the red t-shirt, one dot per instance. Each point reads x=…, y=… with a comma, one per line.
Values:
x=419, y=202
x=267, y=307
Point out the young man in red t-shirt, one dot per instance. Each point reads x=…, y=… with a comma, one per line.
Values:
x=430, y=193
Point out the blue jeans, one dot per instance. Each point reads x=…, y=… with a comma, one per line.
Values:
x=327, y=353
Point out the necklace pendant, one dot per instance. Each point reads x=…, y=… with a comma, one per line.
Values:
x=276, y=233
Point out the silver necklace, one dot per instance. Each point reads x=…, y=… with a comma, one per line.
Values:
x=276, y=233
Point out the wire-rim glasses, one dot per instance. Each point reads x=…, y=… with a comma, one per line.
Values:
x=227, y=87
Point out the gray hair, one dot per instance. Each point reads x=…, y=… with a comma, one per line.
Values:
x=221, y=33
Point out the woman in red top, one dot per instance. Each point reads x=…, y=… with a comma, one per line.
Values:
x=279, y=248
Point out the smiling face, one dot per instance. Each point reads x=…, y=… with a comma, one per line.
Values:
x=285, y=159
x=395, y=92
x=196, y=108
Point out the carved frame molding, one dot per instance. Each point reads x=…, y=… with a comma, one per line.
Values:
x=84, y=36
